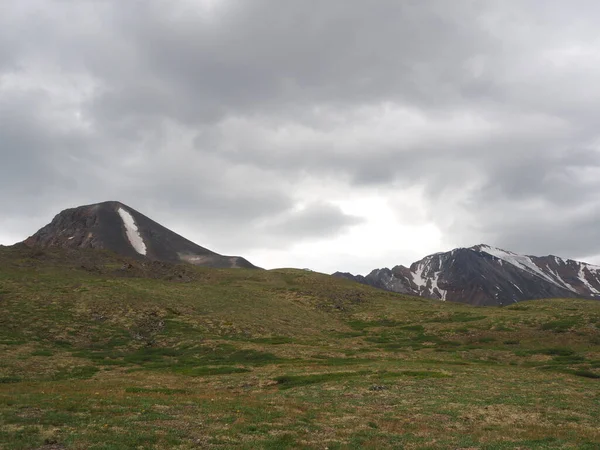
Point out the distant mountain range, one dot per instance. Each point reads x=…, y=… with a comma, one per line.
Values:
x=120, y=228
x=485, y=275
x=479, y=275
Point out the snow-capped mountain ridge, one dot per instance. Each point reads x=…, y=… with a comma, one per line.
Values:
x=487, y=275
x=551, y=274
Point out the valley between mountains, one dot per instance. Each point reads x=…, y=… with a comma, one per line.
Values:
x=116, y=333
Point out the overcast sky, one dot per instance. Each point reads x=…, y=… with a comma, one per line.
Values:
x=334, y=135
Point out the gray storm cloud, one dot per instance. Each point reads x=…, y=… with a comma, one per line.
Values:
x=231, y=115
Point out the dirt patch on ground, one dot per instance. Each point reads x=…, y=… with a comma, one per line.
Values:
x=502, y=415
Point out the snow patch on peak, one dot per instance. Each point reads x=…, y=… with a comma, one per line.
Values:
x=483, y=248
x=133, y=234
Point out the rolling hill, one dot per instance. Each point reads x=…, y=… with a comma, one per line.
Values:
x=105, y=351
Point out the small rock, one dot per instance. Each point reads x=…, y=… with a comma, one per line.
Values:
x=378, y=387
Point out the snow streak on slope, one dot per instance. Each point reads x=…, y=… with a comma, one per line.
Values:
x=434, y=286
x=560, y=263
x=544, y=270
x=557, y=276
x=133, y=233
x=521, y=261
x=418, y=278
x=426, y=278
x=584, y=280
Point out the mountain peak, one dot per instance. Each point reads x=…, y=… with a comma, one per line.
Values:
x=485, y=247
x=487, y=275
x=112, y=225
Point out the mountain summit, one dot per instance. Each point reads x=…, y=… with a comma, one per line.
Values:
x=117, y=227
x=485, y=275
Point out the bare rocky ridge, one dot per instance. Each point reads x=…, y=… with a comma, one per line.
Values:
x=119, y=228
x=485, y=275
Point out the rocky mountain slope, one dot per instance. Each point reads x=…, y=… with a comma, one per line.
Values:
x=484, y=275
x=117, y=227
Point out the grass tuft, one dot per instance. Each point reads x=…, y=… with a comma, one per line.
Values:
x=586, y=374
x=292, y=381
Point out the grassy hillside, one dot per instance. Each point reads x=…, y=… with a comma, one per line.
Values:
x=100, y=352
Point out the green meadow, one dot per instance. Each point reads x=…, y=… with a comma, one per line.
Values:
x=100, y=352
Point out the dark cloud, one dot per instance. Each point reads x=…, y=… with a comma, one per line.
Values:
x=275, y=57
x=316, y=220
x=247, y=124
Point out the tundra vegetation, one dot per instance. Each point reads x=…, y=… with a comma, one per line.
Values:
x=101, y=352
